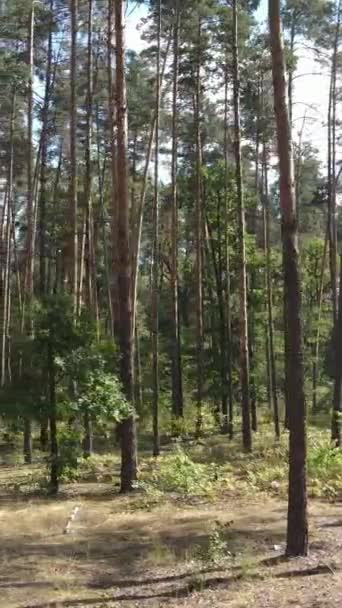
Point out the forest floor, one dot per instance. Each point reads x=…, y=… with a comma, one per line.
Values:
x=219, y=550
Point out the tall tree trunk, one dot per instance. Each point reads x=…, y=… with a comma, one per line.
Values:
x=128, y=427
x=44, y=427
x=44, y=156
x=30, y=181
x=155, y=255
x=297, y=529
x=315, y=364
x=177, y=381
x=269, y=298
x=114, y=177
x=199, y=234
x=141, y=205
x=103, y=217
x=28, y=292
x=89, y=275
x=332, y=163
x=336, y=427
x=72, y=261
x=244, y=351
x=228, y=336
x=6, y=253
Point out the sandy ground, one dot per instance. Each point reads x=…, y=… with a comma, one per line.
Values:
x=120, y=553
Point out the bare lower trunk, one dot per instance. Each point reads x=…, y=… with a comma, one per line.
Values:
x=297, y=529
x=27, y=440
x=336, y=427
x=88, y=434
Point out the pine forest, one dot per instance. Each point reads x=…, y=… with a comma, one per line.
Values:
x=171, y=303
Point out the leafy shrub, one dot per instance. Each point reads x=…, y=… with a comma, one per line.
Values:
x=96, y=468
x=179, y=473
x=69, y=442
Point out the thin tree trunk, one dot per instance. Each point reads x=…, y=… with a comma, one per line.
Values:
x=44, y=156
x=6, y=253
x=315, y=364
x=336, y=426
x=112, y=127
x=177, y=381
x=141, y=206
x=199, y=237
x=88, y=434
x=138, y=387
x=128, y=427
x=244, y=351
x=297, y=529
x=72, y=261
x=54, y=455
x=27, y=440
x=332, y=164
x=30, y=182
x=269, y=299
x=230, y=421
x=101, y=179
x=155, y=255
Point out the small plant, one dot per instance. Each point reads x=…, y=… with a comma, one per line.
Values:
x=217, y=549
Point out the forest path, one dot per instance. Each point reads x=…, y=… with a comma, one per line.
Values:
x=124, y=552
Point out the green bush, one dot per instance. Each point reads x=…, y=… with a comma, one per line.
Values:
x=179, y=473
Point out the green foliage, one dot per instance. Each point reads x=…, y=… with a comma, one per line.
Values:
x=325, y=468
x=216, y=550
x=179, y=473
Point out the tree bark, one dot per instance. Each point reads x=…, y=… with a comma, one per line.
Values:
x=155, y=255
x=44, y=156
x=244, y=350
x=199, y=236
x=72, y=261
x=269, y=299
x=297, y=528
x=177, y=381
x=54, y=453
x=128, y=427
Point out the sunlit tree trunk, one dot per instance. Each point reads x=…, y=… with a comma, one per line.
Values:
x=297, y=529
x=244, y=351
